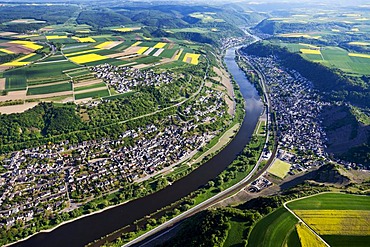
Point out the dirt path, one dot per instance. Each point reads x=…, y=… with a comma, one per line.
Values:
x=91, y=90
x=17, y=108
x=49, y=95
x=2, y=83
x=14, y=95
x=86, y=83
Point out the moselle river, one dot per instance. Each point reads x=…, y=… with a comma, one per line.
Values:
x=85, y=230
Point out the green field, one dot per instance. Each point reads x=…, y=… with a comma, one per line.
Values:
x=334, y=201
x=94, y=94
x=168, y=53
x=273, y=229
x=279, y=168
x=15, y=82
x=97, y=85
x=38, y=71
x=119, y=96
x=50, y=89
x=235, y=234
x=345, y=241
x=334, y=57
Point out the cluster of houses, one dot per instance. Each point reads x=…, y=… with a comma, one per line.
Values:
x=227, y=43
x=123, y=79
x=297, y=108
x=207, y=108
x=59, y=177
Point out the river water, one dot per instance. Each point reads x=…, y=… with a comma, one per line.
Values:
x=87, y=229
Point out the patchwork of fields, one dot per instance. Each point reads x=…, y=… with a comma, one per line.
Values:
x=66, y=72
x=334, y=57
x=340, y=219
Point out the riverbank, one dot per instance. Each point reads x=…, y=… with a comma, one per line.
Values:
x=117, y=217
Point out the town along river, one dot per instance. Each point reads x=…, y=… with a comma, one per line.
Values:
x=87, y=229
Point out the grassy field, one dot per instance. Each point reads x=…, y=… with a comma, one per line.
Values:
x=15, y=82
x=38, y=71
x=345, y=241
x=93, y=94
x=273, y=229
x=236, y=234
x=97, y=85
x=279, y=168
x=50, y=89
x=332, y=201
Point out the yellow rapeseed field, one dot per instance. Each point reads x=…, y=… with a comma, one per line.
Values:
x=159, y=45
x=337, y=222
x=18, y=62
x=359, y=43
x=279, y=168
x=57, y=37
x=123, y=29
x=27, y=44
x=358, y=55
x=104, y=44
x=84, y=40
x=142, y=50
x=310, y=51
x=87, y=58
x=194, y=58
x=307, y=237
x=136, y=43
x=298, y=35
x=178, y=55
x=6, y=51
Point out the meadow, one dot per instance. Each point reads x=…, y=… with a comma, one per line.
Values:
x=279, y=168
x=93, y=94
x=273, y=229
x=62, y=87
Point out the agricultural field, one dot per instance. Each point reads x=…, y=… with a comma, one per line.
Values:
x=92, y=94
x=279, y=168
x=307, y=237
x=339, y=219
x=50, y=77
x=273, y=229
x=334, y=57
x=206, y=17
